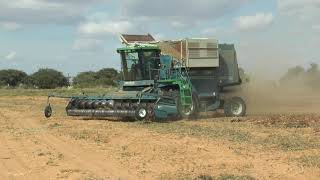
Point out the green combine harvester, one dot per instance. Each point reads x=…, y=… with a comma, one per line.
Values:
x=169, y=79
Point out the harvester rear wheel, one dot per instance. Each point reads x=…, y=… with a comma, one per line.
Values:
x=235, y=107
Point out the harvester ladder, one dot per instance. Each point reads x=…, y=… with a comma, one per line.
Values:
x=186, y=91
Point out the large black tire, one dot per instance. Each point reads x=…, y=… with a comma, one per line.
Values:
x=193, y=112
x=235, y=107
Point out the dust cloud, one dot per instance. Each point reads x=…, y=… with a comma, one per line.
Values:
x=296, y=92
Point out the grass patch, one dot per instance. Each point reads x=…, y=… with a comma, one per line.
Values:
x=288, y=121
x=81, y=135
x=204, y=177
x=292, y=142
x=234, y=177
x=273, y=138
x=310, y=161
x=54, y=125
x=220, y=177
x=91, y=135
x=227, y=132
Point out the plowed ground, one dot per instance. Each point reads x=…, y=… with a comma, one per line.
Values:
x=271, y=146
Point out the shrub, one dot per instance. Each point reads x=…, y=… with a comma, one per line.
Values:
x=49, y=79
x=104, y=77
x=12, y=77
x=85, y=79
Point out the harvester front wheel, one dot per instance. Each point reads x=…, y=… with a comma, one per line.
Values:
x=190, y=112
x=235, y=107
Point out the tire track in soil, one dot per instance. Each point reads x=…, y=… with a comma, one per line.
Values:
x=12, y=165
x=74, y=155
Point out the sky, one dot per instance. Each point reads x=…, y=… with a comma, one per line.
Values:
x=73, y=36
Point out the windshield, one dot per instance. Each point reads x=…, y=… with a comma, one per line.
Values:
x=140, y=65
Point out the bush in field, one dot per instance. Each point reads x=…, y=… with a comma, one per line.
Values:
x=109, y=73
x=293, y=74
x=313, y=76
x=107, y=76
x=85, y=79
x=298, y=76
x=104, y=77
x=48, y=79
x=13, y=78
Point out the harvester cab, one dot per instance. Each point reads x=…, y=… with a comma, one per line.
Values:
x=177, y=79
x=140, y=64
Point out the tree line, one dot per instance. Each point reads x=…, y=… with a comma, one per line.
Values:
x=299, y=76
x=50, y=79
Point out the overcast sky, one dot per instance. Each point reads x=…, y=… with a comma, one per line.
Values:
x=80, y=35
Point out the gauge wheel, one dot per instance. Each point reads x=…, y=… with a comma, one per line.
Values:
x=48, y=111
x=141, y=113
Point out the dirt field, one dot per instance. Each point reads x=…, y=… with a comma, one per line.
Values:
x=271, y=146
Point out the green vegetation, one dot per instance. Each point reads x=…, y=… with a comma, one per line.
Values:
x=48, y=79
x=60, y=91
x=13, y=77
x=52, y=79
x=85, y=79
x=104, y=77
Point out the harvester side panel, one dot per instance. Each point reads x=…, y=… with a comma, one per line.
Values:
x=228, y=70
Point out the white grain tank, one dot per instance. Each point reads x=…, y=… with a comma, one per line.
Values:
x=202, y=52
